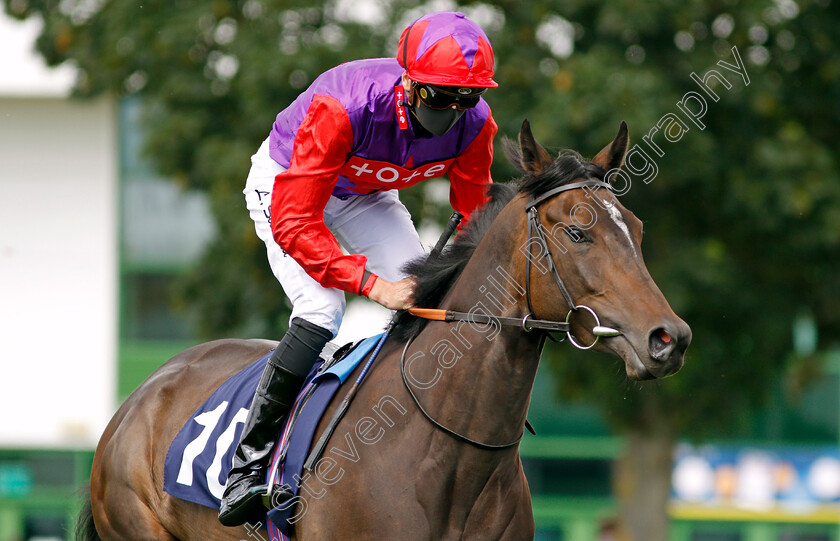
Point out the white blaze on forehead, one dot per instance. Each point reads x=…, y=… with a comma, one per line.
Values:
x=615, y=214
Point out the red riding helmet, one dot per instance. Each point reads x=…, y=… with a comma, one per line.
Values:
x=447, y=49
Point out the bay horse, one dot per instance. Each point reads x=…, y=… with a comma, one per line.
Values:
x=428, y=450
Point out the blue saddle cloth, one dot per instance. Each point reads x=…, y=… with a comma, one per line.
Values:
x=201, y=455
x=292, y=449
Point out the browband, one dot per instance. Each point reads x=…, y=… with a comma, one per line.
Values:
x=551, y=193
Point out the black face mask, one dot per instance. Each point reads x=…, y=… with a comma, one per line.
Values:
x=435, y=121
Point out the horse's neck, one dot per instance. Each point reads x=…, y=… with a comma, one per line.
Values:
x=486, y=372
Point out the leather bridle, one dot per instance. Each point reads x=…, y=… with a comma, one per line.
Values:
x=536, y=234
x=535, y=231
x=529, y=322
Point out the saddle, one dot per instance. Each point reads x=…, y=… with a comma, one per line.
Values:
x=329, y=357
x=201, y=454
x=290, y=452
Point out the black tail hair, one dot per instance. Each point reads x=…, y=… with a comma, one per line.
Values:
x=85, y=528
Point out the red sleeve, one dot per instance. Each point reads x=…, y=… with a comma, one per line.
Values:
x=322, y=143
x=469, y=175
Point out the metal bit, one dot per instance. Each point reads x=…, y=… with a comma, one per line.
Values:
x=605, y=331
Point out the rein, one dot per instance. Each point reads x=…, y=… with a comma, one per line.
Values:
x=527, y=323
x=456, y=435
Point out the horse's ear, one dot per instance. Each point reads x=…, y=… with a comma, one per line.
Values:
x=612, y=155
x=533, y=157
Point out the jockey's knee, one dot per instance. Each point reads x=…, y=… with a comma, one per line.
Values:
x=327, y=315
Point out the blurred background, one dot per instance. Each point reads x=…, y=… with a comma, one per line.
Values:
x=124, y=237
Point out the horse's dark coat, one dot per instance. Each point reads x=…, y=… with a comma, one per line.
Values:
x=394, y=475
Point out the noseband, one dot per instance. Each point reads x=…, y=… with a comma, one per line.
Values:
x=528, y=323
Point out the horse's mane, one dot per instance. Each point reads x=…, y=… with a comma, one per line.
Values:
x=435, y=277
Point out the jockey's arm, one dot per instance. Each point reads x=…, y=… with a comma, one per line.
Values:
x=300, y=194
x=469, y=175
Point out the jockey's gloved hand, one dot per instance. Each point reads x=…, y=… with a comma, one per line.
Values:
x=393, y=295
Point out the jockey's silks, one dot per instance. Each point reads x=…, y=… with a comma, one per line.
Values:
x=347, y=135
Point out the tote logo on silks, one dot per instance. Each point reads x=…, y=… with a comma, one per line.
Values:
x=369, y=174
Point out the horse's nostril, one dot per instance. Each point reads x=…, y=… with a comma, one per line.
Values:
x=663, y=336
x=660, y=343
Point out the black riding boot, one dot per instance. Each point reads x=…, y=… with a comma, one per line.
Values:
x=281, y=381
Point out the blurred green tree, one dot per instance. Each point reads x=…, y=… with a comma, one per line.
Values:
x=743, y=220
x=743, y=216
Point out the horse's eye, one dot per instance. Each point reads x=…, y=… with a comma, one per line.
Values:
x=577, y=235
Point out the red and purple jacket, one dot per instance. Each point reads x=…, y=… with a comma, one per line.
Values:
x=346, y=135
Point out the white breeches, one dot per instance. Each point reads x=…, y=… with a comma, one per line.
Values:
x=377, y=226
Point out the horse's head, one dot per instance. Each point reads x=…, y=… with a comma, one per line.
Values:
x=595, y=244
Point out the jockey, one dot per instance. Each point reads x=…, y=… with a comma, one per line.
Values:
x=327, y=176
